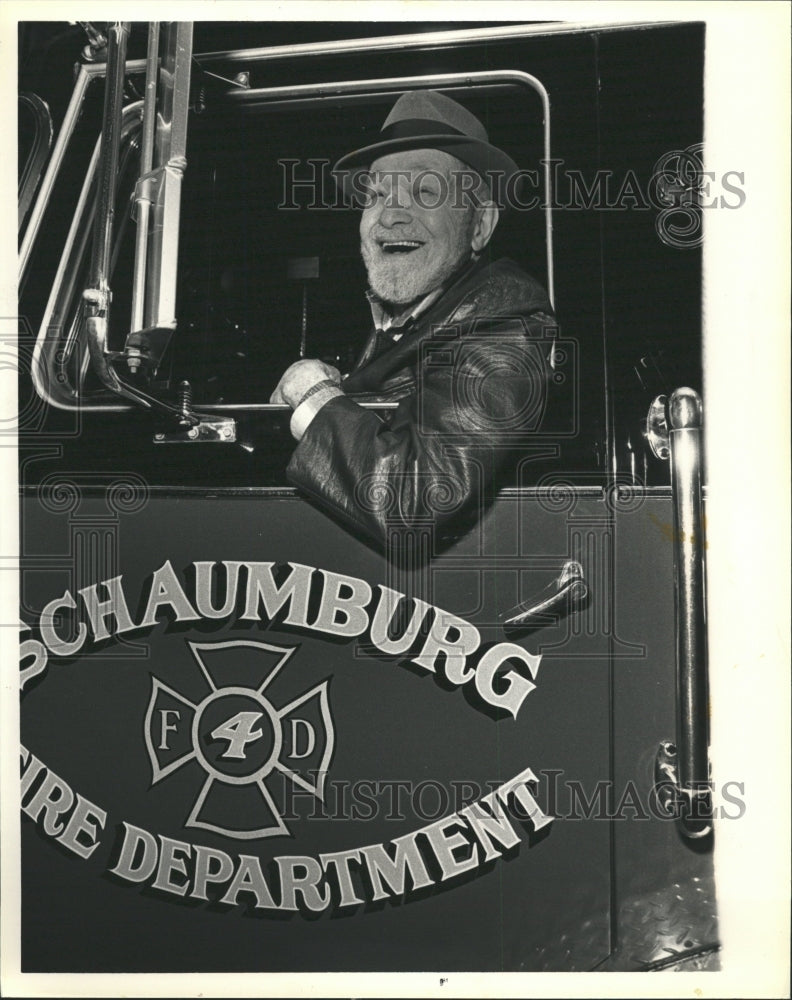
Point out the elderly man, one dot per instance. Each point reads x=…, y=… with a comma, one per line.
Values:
x=461, y=342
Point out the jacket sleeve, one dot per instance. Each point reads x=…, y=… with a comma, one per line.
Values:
x=480, y=394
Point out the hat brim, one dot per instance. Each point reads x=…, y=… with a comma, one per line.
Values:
x=487, y=160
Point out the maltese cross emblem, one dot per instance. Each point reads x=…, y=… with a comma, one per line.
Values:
x=247, y=745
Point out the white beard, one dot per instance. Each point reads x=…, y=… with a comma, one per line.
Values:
x=401, y=279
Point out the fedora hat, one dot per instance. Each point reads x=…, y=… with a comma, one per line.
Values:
x=426, y=119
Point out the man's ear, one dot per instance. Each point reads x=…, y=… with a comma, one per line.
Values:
x=487, y=215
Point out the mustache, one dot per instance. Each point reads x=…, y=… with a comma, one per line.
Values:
x=390, y=235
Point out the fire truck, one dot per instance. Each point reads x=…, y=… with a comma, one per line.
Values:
x=251, y=742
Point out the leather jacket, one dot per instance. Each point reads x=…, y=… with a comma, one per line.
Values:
x=470, y=375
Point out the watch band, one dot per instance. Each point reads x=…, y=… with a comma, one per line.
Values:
x=317, y=387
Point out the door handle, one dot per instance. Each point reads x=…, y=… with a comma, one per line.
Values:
x=674, y=432
x=568, y=592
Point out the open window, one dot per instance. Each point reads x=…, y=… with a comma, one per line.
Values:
x=270, y=266
x=268, y=260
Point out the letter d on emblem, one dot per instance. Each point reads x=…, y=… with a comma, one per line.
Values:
x=310, y=733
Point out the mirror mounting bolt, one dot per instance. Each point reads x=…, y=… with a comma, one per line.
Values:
x=133, y=359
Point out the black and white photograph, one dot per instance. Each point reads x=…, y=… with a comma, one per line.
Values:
x=396, y=485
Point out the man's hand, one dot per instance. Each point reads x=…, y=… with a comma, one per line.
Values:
x=299, y=378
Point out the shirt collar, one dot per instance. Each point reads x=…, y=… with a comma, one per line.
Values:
x=383, y=319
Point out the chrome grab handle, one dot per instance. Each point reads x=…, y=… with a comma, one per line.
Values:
x=568, y=592
x=674, y=431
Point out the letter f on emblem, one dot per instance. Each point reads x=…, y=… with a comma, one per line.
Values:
x=238, y=730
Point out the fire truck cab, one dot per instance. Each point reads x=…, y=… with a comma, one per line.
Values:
x=252, y=742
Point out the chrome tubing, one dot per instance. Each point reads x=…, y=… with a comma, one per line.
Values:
x=170, y=161
x=685, y=440
x=142, y=203
x=97, y=295
x=48, y=182
x=423, y=40
x=37, y=158
x=674, y=431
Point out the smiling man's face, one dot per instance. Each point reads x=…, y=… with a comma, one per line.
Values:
x=419, y=226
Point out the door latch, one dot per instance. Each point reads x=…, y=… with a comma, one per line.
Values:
x=567, y=593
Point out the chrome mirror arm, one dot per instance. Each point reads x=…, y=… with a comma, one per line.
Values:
x=101, y=360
